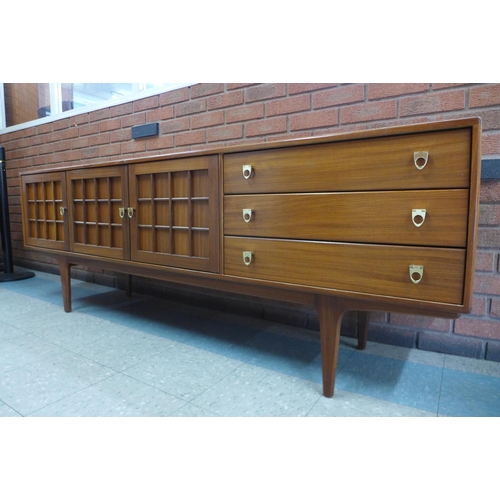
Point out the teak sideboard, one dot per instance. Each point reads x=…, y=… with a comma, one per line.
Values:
x=382, y=219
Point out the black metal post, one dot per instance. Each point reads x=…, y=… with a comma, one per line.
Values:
x=8, y=264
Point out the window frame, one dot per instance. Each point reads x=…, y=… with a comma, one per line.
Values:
x=56, y=104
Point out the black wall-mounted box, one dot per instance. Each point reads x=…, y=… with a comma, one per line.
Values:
x=147, y=130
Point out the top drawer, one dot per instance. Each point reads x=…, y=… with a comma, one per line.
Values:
x=361, y=165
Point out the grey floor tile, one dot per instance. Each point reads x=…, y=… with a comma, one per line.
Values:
x=183, y=371
x=9, y=331
x=36, y=385
x=479, y=366
x=76, y=329
x=25, y=349
x=190, y=410
x=116, y=396
x=405, y=354
x=124, y=349
x=350, y=404
x=7, y=411
x=251, y=391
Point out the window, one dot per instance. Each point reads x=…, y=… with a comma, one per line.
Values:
x=27, y=104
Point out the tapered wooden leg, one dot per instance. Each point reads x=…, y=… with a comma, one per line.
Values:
x=128, y=285
x=363, y=320
x=330, y=319
x=65, y=271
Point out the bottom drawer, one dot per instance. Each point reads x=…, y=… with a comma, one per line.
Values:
x=368, y=269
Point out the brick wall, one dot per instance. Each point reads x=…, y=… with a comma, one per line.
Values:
x=210, y=114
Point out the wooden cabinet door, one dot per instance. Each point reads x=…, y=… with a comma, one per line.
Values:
x=96, y=224
x=44, y=210
x=175, y=221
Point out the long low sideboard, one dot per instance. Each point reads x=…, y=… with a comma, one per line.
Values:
x=372, y=220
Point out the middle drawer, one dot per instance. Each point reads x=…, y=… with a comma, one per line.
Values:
x=430, y=218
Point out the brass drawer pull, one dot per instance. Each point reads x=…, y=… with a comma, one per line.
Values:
x=420, y=159
x=416, y=274
x=418, y=216
x=247, y=214
x=247, y=258
x=62, y=210
x=130, y=212
x=247, y=171
x=121, y=212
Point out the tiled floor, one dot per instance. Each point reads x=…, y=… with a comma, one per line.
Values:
x=139, y=356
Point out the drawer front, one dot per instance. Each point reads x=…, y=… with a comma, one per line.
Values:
x=370, y=217
x=382, y=271
x=360, y=165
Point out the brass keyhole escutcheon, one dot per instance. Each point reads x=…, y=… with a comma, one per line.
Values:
x=247, y=214
x=247, y=258
x=416, y=273
x=247, y=171
x=420, y=159
x=418, y=216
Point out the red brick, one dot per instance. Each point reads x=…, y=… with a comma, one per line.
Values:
x=485, y=261
x=71, y=133
x=174, y=96
x=226, y=133
x=45, y=128
x=433, y=103
x=120, y=135
x=100, y=114
x=172, y=126
x=187, y=138
x=96, y=140
x=300, y=88
x=479, y=306
x=490, y=190
x=424, y=322
x=79, y=119
x=135, y=119
x=190, y=108
x=315, y=119
x=487, y=284
x=110, y=150
x=490, y=144
x=160, y=142
x=233, y=86
x=265, y=91
x=146, y=103
x=61, y=124
x=383, y=110
x=81, y=142
x=495, y=308
x=90, y=152
x=488, y=238
x=204, y=89
x=108, y=125
x=487, y=95
x=249, y=112
x=440, y=86
x=489, y=215
x=265, y=127
x=206, y=120
x=288, y=105
x=382, y=90
x=160, y=114
x=121, y=109
x=477, y=327
x=490, y=119
x=225, y=100
x=341, y=95
x=133, y=147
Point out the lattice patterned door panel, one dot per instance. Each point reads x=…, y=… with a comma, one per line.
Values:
x=44, y=201
x=175, y=220
x=97, y=226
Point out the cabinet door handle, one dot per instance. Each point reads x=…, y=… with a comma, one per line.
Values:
x=121, y=212
x=247, y=171
x=420, y=159
x=247, y=258
x=247, y=214
x=418, y=216
x=62, y=210
x=130, y=212
x=416, y=273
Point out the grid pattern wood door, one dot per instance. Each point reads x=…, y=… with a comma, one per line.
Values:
x=97, y=195
x=43, y=197
x=175, y=219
